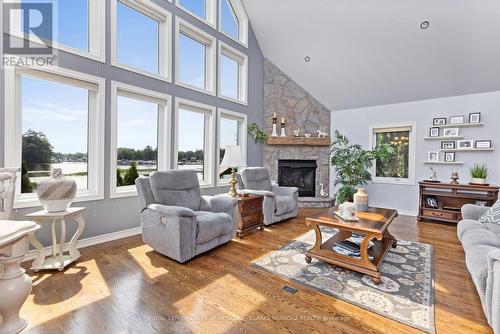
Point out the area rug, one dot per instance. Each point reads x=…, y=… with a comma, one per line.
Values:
x=406, y=293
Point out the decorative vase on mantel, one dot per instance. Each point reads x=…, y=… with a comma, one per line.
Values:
x=57, y=192
x=361, y=200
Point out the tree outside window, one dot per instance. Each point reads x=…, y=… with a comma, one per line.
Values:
x=398, y=165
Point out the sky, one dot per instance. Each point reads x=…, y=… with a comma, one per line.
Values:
x=60, y=111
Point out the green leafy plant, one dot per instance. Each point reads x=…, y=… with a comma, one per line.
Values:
x=479, y=171
x=257, y=133
x=119, y=178
x=131, y=174
x=352, y=165
x=26, y=185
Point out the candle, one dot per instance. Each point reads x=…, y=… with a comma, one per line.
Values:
x=283, y=120
x=274, y=115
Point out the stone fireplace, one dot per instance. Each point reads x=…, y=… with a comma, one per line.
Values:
x=300, y=174
x=303, y=113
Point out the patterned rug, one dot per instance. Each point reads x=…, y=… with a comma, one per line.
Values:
x=406, y=293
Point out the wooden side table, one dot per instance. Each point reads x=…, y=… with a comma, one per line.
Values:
x=250, y=214
x=58, y=260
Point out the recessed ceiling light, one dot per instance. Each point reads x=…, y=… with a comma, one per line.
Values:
x=307, y=59
x=424, y=24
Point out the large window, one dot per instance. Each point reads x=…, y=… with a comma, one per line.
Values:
x=194, y=144
x=141, y=37
x=201, y=9
x=233, y=74
x=78, y=26
x=399, y=168
x=232, y=131
x=195, y=58
x=192, y=62
x=54, y=131
x=134, y=108
x=233, y=20
x=54, y=120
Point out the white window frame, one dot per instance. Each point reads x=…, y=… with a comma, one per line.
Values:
x=242, y=18
x=242, y=122
x=96, y=34
x=95, y=135
x=208, y=154
x=163, y=131
x=164, y=19
x=412, y=127
x=242, y=60
x=210, y=43
x=210, y=11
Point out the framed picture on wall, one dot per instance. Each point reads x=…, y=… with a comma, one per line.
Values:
x=448, y=145
x=483, y=144
x=465, y=144
x=457, y=120
x=451, y=132
x=433, y=156
x=434, y=132
x=439, y=121
x=475, y=117
x=449, y=157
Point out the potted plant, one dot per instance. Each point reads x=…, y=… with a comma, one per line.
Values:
x=352, y=165
x=479, y=173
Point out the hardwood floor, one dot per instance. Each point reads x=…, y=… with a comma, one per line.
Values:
x=124, y=286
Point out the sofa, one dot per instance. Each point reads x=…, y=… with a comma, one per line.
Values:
x=177, y=221
x=280, y=203
x=481, y=242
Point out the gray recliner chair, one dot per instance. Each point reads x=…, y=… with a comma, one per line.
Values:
x=280, y=203
x=177, y=221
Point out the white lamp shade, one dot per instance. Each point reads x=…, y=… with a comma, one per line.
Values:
x=232, y=157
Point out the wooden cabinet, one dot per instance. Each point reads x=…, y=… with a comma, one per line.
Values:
x=250, y=214
x=443, y=201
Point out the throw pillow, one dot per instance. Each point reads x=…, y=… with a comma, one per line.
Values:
x=492, y=215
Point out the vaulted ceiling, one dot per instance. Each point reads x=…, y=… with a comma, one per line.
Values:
x=366, y=52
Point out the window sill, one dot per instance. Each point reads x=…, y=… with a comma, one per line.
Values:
x=394, y=182
x=196, y=89
x=243, y=102
x=122, y=192
x=141, y=72
x=33, y=202
x=234, y=40
x=206, y=185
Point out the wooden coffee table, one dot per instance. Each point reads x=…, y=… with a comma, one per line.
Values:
x=372, y=224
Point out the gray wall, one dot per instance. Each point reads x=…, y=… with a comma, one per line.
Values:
x=355, y=123
x=112, y=215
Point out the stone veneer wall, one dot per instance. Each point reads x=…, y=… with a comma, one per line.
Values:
x=302, y=112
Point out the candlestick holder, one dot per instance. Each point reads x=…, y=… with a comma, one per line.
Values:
x=275, y=131
x=283, y=132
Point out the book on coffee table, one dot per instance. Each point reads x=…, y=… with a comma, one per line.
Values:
x=348, y=248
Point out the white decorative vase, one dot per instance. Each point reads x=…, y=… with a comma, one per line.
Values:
x=361, y=200
x=57, y=192
x=478, y=181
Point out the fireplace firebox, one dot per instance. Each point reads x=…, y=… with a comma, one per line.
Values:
x=300, y=174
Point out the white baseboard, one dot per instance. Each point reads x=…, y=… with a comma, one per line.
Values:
x=408, y=213
x=87, y=242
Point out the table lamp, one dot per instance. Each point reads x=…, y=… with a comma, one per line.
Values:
x=232, y=159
